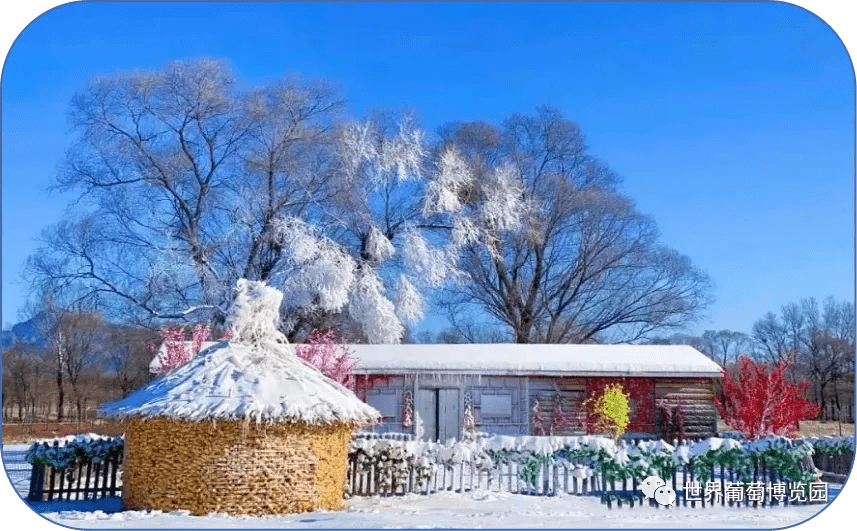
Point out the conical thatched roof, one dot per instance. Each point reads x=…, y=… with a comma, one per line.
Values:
x=254, y=376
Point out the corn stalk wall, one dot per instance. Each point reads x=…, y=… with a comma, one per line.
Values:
x=233, y=467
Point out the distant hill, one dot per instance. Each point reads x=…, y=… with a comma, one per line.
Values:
x=28, y=331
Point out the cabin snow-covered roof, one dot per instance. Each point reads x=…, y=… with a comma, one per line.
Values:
x=512, y=359
x=256, y=375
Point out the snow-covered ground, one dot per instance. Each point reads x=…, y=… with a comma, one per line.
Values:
x=476, y=509
x=444, y=510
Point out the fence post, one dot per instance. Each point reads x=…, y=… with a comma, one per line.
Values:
x=634, y=491
x=88, y=478
x=74, y=484
x=675, y=489
x=113, y=472
x=37, y=483
x=62, y=483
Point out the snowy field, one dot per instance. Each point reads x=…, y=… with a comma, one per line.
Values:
x=444, y=510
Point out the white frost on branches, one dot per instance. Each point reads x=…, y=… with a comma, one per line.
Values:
x=373, y=310
x=454, y=176
x=323, y=275
x=357, y=146
x=403, y=155
x=362, y=146
x=432, y=265
x=410, y=305
x=463, y=232
x=378, y=246
x=503, y=206
x=323, y=272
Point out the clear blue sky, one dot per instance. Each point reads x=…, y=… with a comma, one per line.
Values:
x=732, y=124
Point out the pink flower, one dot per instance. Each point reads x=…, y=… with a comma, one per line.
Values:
x=328, y=352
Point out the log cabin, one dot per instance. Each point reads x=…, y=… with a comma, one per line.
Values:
x=528, y=389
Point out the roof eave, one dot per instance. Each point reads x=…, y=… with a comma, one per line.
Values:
x=593, y=374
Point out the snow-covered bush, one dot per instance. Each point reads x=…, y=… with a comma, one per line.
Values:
x=586, y=456
x=830, y=445
x=82, y=448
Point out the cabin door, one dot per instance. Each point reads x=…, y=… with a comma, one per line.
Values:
x=438, y=409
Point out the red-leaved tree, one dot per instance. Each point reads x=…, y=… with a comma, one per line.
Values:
x=328, y=352
x=758, y=402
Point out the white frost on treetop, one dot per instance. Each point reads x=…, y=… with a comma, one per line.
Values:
x=356, y=146
x=256, y=376
x=363, y=147
x=403, y=155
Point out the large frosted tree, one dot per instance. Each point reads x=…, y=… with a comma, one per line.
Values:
x=187, y=184
x=181, y=180
x=554, y=251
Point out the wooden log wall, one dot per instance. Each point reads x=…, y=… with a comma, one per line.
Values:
x=696, y=397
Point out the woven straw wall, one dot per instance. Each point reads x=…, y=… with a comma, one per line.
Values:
x=233, y=467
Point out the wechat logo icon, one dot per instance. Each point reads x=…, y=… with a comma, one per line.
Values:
x=655, y=487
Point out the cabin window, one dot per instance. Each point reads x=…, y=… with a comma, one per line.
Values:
x=497, y=406
x=385, y=404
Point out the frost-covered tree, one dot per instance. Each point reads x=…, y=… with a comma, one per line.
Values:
x=187, y=184
x=553, y=249
x=182, y=182
x=372, y=254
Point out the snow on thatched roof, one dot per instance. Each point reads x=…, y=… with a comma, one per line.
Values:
x=254, y=376
x=510, y=359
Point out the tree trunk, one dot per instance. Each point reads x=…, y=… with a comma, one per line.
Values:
x=61, y=395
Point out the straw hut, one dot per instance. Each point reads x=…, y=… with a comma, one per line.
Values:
x=245, y=427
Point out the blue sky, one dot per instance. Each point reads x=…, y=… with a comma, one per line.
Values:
x=732, y=124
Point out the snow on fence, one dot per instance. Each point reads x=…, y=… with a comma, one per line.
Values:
x=84, y=468
x=586, y=465
x=395, y=464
